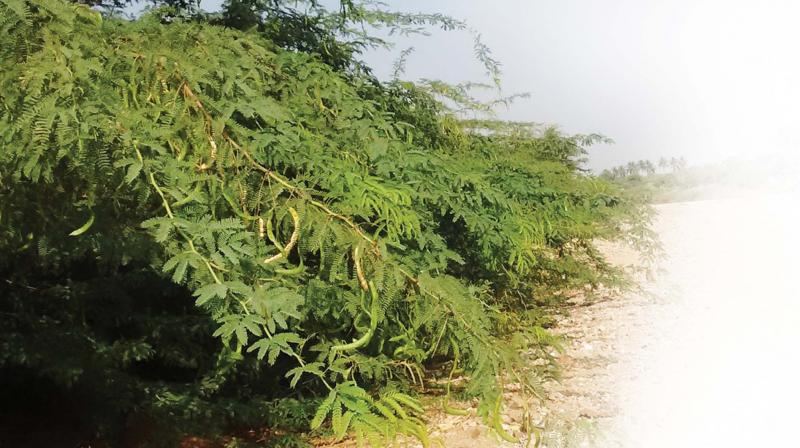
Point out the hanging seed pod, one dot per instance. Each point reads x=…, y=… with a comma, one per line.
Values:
x=292, y=239
x=359, y=269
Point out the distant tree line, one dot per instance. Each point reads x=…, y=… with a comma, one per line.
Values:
x=645, y=168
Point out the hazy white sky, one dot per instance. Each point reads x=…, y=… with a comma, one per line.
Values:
x=704, y=79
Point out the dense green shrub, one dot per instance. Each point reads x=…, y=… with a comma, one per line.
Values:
x=196, y=221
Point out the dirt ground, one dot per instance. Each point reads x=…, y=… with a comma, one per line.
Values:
x=580, y=407
x=714, y=360
x=705, y=355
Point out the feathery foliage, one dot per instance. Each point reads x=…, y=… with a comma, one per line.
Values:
x=198, y=220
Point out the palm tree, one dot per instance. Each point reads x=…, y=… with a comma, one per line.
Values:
x=673, y=163
x=631, y=168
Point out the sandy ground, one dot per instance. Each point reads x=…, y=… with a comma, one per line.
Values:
x=715, y=361
x=708, y=355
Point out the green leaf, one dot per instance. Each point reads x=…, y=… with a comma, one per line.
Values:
x=277, y=305
x=274, y=346
x=133, y=171
x=252, y=322
x=396, y=406
x=408, y=401
x=262, y=345
x=163, y=228
x=208, y=292
x=340, y=423
x=350, y=388
x=228, y=327
x=180, y=271
x=357, y=405
x=314, y=368
x=323, y=410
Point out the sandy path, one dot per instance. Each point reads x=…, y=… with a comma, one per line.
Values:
x=711, y=356
x=719, y=361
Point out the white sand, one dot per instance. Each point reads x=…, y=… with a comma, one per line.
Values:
x=717, y=362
